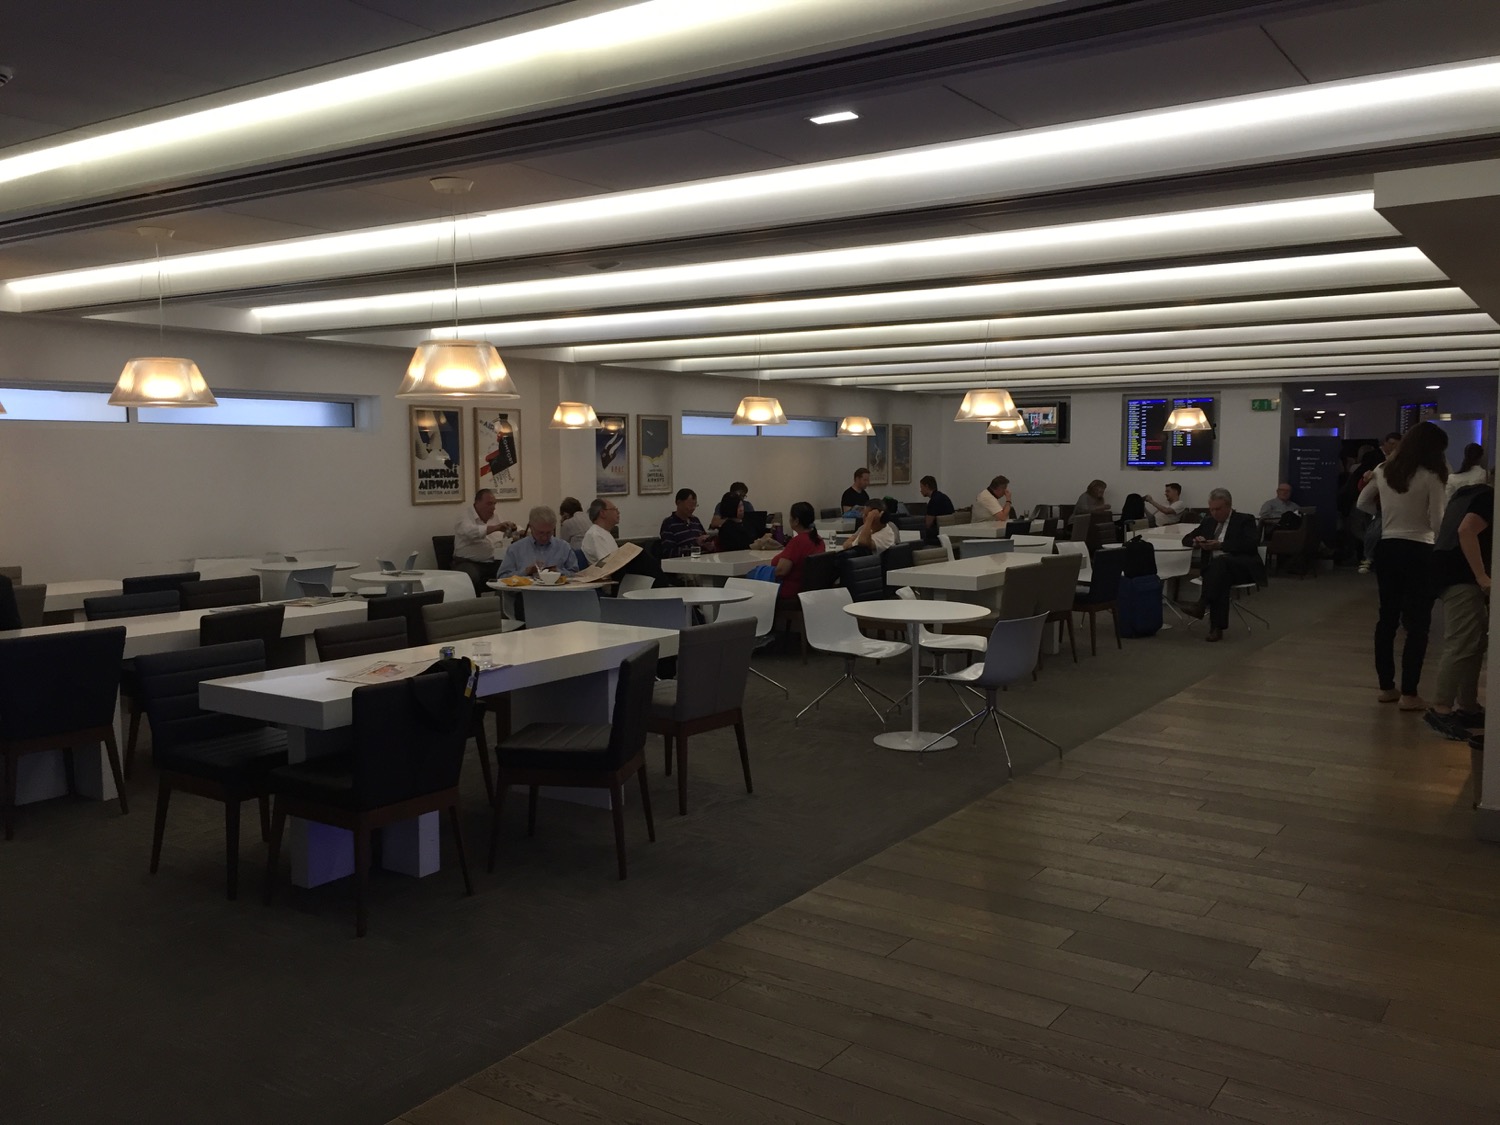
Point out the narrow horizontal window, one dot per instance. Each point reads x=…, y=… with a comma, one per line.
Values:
x=722, y=425
x=25, y=404
x=306, y=412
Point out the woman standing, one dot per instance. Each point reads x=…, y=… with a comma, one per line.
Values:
x=1472, y=471
x=1409, y=490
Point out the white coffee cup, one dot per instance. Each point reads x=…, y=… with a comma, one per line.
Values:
x=548, y=577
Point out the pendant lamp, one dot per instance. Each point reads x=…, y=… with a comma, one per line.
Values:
x=1187, y=420
x=574, y=416
x=758, y=410
x=456, y=368
x=1007, y=426
x=160, y=380
x=988, y=404
x=856, y=425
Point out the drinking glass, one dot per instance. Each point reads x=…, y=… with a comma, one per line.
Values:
x=483, y=654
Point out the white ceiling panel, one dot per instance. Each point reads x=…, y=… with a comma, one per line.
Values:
x=1216, y=64
x=1388, y=35
x=651, y=161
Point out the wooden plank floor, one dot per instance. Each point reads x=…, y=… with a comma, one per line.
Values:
x=1258, y=901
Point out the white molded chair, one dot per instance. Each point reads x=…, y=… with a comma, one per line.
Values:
x=761, y=607
x=947, y=544
x=1170, y=565
x=1011, y=655
x=1069, y=547
x=1237, y=592
x=389, y=567
x=829, y=629
x=454, y=584
x=629, y=582
x=313, y=582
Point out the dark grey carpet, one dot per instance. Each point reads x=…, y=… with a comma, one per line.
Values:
x=131, y=998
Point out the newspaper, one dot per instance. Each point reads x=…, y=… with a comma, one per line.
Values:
x=615, y=560
x=385, y=671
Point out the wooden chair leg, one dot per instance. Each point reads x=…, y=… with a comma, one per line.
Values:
x=112, y=752
x=273, y=850
x=617, y=807
x=133, y=735
x=163, y=799
x=265, y=817
x=739, y=734
x=1072, y=640
x=232, y=845
x=458, y=842
x=646, y=803
x=1114, y=617
x=484, y=756
x=666, y=741
x=531, y=812
x=362, y=841
x=500, y=792
x=682, y=761
x=1093, y=633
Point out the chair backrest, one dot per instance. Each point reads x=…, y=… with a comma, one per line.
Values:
x=254, y=623
x=313, y=581
x=863, y=577
x=824, y=621
x=554, y=607
x=898, y=557
x=1070, y=547
x=761, y=606
x=131, y=605
x=1078, y=527
x=973, y=548
x=59, y=682
x=1173, y=564
x=629, y=582
x=360, y=638
x=458, y=621
x=408, y=606
x=456, y=585
x=10, y=611
x=632, y=706
x=169, y=691
x=409, y=735
x=225, y=566
x=1060, y=582
x=830, y=513
x=11, y=572
x=1104, y=581
x=648, y=613
x=31, y=604
x=925, y=556
x=713, y=663
x=820, y=571
x=1021, y=596
x=442, y=551
x=397, y=562
x=153, y=583
x=1011, y=654
x=211, y=593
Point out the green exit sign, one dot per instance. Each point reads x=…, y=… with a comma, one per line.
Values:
x=1265, y=404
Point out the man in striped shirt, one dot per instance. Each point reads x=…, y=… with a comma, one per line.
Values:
x=681, y=531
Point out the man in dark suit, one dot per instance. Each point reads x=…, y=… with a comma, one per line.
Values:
x=1230, y=542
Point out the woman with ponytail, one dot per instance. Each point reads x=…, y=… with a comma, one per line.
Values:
x=805, y=541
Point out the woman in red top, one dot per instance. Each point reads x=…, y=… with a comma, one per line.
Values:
x=805, y=541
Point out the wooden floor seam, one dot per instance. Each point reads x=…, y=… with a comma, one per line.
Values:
x=1258, y=901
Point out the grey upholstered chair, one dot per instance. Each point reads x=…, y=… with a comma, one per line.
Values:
x=360, y=638
x=31, y=604
x=460, y=621
x=713, y=665
x=1059, y=586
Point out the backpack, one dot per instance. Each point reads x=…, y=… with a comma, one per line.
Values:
x=1138, y=606
x=1290, y=521
x=1140, y=558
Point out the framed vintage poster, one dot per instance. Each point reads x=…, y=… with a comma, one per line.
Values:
x=612, y=455
x=878, y=453
x=900, y=454
x=497, y=451
x=653, y=476
x=435, y=439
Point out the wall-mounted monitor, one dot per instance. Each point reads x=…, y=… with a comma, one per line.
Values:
x=1046, y=424
x=1148, y=445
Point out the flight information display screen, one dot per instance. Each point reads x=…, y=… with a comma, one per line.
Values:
x=1195, y=451
x=1145, y=433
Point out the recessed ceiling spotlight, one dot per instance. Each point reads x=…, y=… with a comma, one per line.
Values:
x=834, y=118
x=1330, y=394
x=1296, y=408
x=1342, y=414
x=1309, y=390
x=1434, y=386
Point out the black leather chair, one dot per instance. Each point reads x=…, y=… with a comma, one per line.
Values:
x=261, y=623
x=10, y=611
x=898, y=557
x=586, y=755
x=225, y=758
x=409, y=607
x=156, y=583
x=819, y=572
x=360, y=638
x=862, y=576
x=131, y=605
x=442, y=551
x=214, y=593
x=57, y=692
x=408, y=752
x=1104, y=588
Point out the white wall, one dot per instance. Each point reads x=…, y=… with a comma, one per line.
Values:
x=1250, y=455
x=96, y=500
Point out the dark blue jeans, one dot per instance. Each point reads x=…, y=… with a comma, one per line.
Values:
x=1403, y=573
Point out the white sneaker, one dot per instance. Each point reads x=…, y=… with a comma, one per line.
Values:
x=1364, y=568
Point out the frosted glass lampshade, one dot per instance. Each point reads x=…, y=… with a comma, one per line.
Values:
x=574, y=416
x=757, y=411
x=614, y=424
x=987, y=405
x=1187, y=419
x=1015, y=425
x=161, y=381
x=856, y=425
x=456, y=369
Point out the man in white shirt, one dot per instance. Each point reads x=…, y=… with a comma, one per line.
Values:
x=473, y=553
x=599, y=539
x=1171, y=512
x=993, y=502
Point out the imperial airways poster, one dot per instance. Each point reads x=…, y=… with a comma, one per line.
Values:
x=436, y=443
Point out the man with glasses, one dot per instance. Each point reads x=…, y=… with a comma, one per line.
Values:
x=599, y=539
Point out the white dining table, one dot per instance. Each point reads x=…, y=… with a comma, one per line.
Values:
x=395, y=582
x=987, y=529
x=559, y=671
x=721, y=564
x=706, y=598
x=914, y=613
x=67, y=597
x=275, y=575
x=963, y=576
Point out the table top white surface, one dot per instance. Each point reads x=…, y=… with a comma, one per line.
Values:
x=65, y=596
x=728, y=564
x=171, y=632
x=306, y=697
x=378, y=576
x=915, y=611
x=983, y=572
x=988, y=529
x=690, y=595
x=562, y=587
x=284, y=567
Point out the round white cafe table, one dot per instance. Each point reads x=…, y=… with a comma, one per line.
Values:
x=396, y=582
x=914, y=613
x=275, y=575
x=708, y=598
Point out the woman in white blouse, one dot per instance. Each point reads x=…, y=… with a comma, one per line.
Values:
x=1408, y=489
x=1472, y=471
